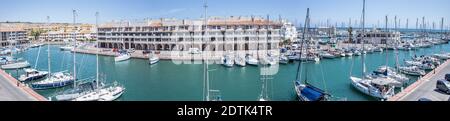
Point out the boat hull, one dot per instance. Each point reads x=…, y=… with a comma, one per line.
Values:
x=36, y=77
x=16, y=65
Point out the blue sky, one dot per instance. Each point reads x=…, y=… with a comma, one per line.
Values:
x=294, y=10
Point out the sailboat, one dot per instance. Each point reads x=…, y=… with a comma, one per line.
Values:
x=122, y=57
x=412, y=70
x=227, y=60
x=153, y=59
x=239, y=60
x=380, y=87
x=306, y=91
x=208, y=94
x=388, y=72
x=283, y=59
x=250, y=60
x=33, y=73
x=18, y=64
x=123, y=54
x=58, y=79
x=67, y=47
x=101, y=92
x=13, y=63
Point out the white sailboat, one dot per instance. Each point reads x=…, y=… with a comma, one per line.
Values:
x=412, y=70
x=283, y=59
x=16, y=65
x=227, y=61
x=380, y=87
x=102, y=92
x=250, y=60
x=111, y=93
x=327, y=55
x=421, y=65
x=442, y=56
x=269, y=60
x=123, y=55
x=153, y=59
x=208, y=94
x=11, y=63
x=388, y=72
x=32, y=73
x=239, y=60
x=58, y=79
x=67, y=48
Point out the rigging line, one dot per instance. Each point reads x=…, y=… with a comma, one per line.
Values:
x=37, y=58
x=323, y=78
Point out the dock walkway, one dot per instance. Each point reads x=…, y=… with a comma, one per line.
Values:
x=12, y=90
x=425, y=87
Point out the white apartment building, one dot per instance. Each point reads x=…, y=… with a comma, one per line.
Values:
x=223, y=34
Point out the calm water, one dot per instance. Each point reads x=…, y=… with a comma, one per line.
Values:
x=169, y=81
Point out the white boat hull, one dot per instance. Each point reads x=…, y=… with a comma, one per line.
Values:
x=123, y=57
x=17, y=65
x=364, y=87
x=153, y=60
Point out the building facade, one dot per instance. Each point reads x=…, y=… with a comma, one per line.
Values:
x=12, y=36
x=222, y=34
x=379, y=37
x=66, y=32
x=289, y=31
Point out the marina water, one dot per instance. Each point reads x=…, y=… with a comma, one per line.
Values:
x=166, y=81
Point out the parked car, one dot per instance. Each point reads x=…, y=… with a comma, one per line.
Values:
x=443, y=86
x=447, y=77
x=424, y=99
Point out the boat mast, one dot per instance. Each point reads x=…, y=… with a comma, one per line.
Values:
x=48, y=53
x=407, y=23
x=96, y=26
x=74, y=49
x=266, y=67
x=308, y=38
x=442, y=28
x=423, y=31
x=301, y=45
x=386, y=38
x=397, y=43
x=206, y=73
x=362, y=40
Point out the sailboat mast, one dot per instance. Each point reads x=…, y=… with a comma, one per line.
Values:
x=362, y=40
x=301, y=45
x=442, y=28
x=308, y=38
x=48, y=51
x=74, y=49
x=423, y=30
x=206, y=73
x=96, y=26
x=397, y=43
x=386, y=39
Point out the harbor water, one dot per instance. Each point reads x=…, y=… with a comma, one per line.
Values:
x=167, y=81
